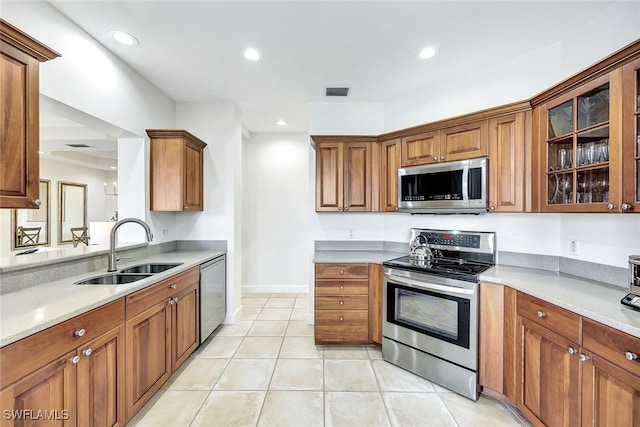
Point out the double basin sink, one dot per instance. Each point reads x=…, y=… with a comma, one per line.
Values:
x=128, y=275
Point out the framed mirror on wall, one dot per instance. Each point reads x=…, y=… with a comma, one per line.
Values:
x=72, y=210
x=32, y=227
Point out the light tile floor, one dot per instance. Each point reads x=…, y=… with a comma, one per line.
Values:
x=266, y=371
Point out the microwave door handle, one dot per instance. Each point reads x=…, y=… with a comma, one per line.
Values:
x=465, y=183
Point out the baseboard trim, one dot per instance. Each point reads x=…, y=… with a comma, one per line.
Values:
x=230, y=318
x=275, y=289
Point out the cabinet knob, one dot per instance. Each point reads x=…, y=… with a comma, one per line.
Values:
x=341, y=319
x=340, y=208
x=541, y=314
x=74, y=359
x=341, y=287
x=341, y=271
x=79, y=332
x=346, y=209
x=87, y=352
x=625, y=207
x=571, y=350
x=341, y=302
x=442, y=158
x=492, y=208
x=36, y=202
x=174, y=286
x=175, y=300
x=584, y=358
x=611, y=206
x=435, y=158
x=630, y=355
x=171, y=301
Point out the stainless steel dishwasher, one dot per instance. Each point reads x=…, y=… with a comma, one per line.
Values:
x=213, y=279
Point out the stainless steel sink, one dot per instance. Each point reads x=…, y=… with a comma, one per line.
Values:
x=151, y=268
x=113, y=279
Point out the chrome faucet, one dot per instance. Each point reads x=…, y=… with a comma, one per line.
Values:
x=112, y=240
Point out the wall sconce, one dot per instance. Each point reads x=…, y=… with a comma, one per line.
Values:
x=115, y=189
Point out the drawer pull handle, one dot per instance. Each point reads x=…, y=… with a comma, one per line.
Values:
x=174, y=286
x=341, y=302
x=341, y=286
x=572, y=350
x=79, y=332
x=541, y=314
x=584, y=357
x=630, y=356
x=341, y=319
x=87, y=352
x=74, y=359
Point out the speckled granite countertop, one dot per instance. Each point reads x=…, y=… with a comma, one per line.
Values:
x=354, y=257
x=588, y=298
x=31, y=310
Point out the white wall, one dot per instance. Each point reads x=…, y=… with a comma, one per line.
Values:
x=346, y=118
x=217, y=124
x=275, y=219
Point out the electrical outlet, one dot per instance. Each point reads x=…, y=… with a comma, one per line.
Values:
x=352, y=233
x=573, y=247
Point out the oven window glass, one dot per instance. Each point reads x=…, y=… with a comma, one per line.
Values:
x=437, y=314
x=442, y=316
x=432, y=186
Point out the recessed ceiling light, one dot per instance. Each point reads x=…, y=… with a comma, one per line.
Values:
x=252, y=54
x=427, y=52
x=123, y=37
x=281, y=122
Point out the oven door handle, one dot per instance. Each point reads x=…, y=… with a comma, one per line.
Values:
x=429, y=286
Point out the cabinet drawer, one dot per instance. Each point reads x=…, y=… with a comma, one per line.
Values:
x=22, y=357
x=342, y=287
x=552, y=317
x=355, y=302
x=336, y=326
x=145, y=298
x=342, y=271
x=611, y=344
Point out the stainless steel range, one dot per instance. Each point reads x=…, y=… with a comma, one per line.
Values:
x=430, y=306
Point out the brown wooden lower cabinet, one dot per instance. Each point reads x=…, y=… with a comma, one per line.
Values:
x=162, y=331
x=348, y=303
x=71, y=373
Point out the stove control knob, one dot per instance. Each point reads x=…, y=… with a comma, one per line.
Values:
x=630, y=356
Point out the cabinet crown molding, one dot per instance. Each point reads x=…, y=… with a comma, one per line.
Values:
x=26, y=43
x=176, y=133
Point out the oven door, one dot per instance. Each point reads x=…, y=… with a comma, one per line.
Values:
x=432, y=314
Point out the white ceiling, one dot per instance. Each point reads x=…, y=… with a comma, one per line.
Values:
x=192, y=50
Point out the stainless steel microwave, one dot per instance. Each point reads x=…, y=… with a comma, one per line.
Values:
x=445, y=188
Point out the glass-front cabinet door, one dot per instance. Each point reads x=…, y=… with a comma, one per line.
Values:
x=631, y=138
x=578, y=149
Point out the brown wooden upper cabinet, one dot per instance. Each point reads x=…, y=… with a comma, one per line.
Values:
x=464, y=141
x=509, y=140
x=390, y=153
x=586, y=139
x=20, y=57
x=343, y=173
x=176, y=170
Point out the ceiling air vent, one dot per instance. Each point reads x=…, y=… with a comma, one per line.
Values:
x=337, y=91
x=78, y=145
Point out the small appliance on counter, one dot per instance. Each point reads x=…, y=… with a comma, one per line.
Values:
x=633, y=298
